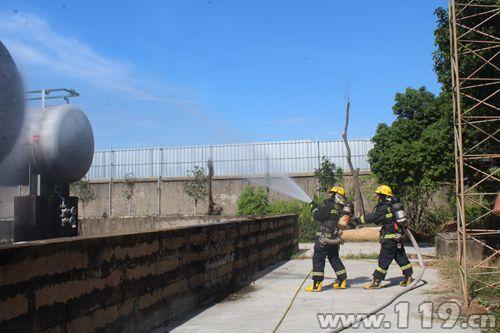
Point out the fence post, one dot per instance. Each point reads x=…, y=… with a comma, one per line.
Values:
x=160, y=174
x=211, y=153
x=319, y=157
x=158, y=194
x=254, y=159
x=160, y=163
x=151, y=163
x=110, y=182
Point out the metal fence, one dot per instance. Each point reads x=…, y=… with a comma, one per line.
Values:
x=286, y=157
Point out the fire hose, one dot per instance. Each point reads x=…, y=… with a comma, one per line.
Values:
x=398, y=294
x=378, y=308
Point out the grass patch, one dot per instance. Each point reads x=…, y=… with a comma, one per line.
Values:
x=360, y=256
x=487, y=297
x=349, y=239
x=301, y=254
x=350, y=256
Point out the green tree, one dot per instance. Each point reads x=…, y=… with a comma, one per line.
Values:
x=328, y=174
x=84, y=192
x=128, y=191
x=416, y=151
x=197, y=186
x=253, y=201
x=472, y=64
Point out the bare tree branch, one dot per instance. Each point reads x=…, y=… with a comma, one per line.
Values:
x=358, y=203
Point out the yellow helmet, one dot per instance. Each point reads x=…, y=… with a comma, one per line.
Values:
x=338, y=189
x=385, y=190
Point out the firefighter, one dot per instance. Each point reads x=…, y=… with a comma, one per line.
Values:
x=335, y=209
x=389, y=214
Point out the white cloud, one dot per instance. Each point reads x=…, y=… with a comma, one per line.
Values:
x=32, y=41
x=24, y=53
x=34, y=44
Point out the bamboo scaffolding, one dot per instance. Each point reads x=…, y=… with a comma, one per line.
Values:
x=468, y=19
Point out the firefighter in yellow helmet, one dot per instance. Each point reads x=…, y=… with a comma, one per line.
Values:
x=389, y=214
x=334, y=209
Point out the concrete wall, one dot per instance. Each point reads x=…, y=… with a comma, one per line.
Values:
x=6, y=231
x=90, y=227
x=447, y=246
x=7, y=195
x=173, y=199
x=135, y=282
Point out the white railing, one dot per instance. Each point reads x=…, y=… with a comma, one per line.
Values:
x=287, y=157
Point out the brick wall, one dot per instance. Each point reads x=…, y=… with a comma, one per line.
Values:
x=134, y=282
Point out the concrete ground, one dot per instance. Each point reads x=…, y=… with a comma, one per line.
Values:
x=258, y=307
x=356, y=248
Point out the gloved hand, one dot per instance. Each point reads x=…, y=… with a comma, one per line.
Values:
x=344, y=221
x=329, y=241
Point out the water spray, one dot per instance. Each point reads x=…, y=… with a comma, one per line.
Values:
x=283, y=184
x=276, y=180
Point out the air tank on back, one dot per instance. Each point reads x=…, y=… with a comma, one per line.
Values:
x=11, y=102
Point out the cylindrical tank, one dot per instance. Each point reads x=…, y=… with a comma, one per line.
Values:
x=63, y=144
x=57, y=141
x=11, y=102
x=14, y=168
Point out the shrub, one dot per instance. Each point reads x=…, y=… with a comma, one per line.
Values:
x=285, y=207
x=84, y=192
x=474, y=211
x=253, y=201
x=328, y=174
x=434, y=217
x=307, y=227
x=433, y=220
x=128, y=191
x=197, y=186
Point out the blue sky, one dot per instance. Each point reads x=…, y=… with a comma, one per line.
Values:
x=173, y=73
